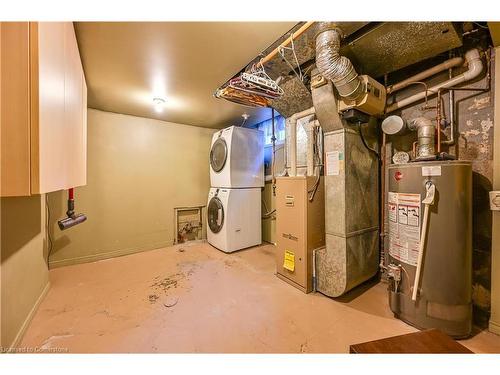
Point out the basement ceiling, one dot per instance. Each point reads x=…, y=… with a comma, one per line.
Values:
x=127, y=64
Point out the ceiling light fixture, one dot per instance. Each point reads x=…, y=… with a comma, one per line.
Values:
x=159, y=103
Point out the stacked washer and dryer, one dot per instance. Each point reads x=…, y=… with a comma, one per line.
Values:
x=234, y=200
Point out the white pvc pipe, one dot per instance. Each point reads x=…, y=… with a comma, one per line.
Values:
x=456, y=61
x=475, y=68
x=428, y=201
x=421, y=248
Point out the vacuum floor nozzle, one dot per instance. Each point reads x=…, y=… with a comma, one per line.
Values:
x=71, y=218
x=71, y=221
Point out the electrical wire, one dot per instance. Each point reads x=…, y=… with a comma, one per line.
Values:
x=481, y=26
x=47, y=225
x=268, y=214
x=281, y=51
x=318, y=136
x=364, y=141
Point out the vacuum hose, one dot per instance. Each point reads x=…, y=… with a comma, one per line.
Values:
x=72, y=219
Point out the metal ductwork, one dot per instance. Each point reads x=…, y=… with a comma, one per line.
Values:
x=335, y=67
x=426, y=138
x=350, y=255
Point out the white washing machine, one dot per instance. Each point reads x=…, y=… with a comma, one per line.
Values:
x=234, y=218
x=237, y=158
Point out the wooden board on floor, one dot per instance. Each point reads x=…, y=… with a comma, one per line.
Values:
x=424, y=342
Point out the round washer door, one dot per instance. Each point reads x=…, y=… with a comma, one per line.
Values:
x=215, y=214
x=218, y=154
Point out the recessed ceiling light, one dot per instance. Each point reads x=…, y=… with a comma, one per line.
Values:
x=159, y=103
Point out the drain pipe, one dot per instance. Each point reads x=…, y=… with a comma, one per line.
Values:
x=473, y=59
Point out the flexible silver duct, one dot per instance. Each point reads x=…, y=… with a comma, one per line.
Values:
x=335, y=67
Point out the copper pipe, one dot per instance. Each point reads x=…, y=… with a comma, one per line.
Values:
x=414, y=146
x=438, y=122
x=287, y=41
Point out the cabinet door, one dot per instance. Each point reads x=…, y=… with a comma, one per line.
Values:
x=59, y=131
x=74, y=118
x=49, y=149
x=14, y=109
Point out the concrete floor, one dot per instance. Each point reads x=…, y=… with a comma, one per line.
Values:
x=194, y=298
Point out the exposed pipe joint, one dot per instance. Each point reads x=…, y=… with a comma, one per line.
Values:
x=335, y=67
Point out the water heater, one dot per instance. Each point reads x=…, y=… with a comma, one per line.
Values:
x=430, y=253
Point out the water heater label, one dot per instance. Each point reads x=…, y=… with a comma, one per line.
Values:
x=431, y=170
x=404, y=226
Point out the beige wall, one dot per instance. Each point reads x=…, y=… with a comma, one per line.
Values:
x=24, y=276
x=138, y=170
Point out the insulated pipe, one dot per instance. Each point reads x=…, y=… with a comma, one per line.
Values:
x=292, y=138
x=475, y=67
x=335, y=67
x=448, y=64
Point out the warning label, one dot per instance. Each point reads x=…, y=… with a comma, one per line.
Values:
x=404, y=226
x=333, y=162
